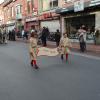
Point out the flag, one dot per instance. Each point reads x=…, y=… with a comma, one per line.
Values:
x=43, y=51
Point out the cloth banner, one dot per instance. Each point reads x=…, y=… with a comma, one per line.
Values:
x=43, y=51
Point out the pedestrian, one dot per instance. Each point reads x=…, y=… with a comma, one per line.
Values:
x=26, y=34
x=64, y=46
x=33, y=49
x=82, y=38
x=13, y=35
x=57, y=37
x=44, y=36
x=23, y=34
x=9, y=35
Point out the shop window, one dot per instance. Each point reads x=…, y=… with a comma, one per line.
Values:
x=73, y=24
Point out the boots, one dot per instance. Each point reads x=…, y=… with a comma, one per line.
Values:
x=36, y=67
x=35, y=64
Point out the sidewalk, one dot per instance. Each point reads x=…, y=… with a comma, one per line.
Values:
x=90, y=47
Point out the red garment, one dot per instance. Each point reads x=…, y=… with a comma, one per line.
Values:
x=67, y=56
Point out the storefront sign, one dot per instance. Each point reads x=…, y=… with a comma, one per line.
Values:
x=78, y=6
x=31, y=19
x=94, y=2
x=47, y=15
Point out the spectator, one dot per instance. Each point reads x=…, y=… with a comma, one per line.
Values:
x=44, y=36
x=57, y=37
x=82, y=38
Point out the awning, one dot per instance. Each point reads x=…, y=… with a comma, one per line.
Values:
x=87, y=5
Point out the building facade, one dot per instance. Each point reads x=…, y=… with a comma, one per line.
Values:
x=47, y=16
x=35, y=13
x=1, y=15
x=79, y=12
x=65, y=15
x=21, y=14
x=31, y=19
x=13, y=14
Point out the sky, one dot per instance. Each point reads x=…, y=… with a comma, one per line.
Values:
x=1, y=1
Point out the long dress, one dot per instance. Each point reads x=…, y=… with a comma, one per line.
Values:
x=33, y=48
x=64, y=45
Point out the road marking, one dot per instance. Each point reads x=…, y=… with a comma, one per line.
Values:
x=85, y=55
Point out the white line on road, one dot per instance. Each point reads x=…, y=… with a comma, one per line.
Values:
x=85, y=55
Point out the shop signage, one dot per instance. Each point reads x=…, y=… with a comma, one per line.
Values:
x=94, y=2
x=79, y=6
x=47, y=15
x=31, y=19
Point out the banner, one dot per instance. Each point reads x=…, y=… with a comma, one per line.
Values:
x=43, y=51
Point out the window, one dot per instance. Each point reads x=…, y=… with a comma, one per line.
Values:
x=12, y=11
x=32, y=3
x=40, y=6
x=28, y=6
x=8, y=13
x=53, y=3
x=18, y=9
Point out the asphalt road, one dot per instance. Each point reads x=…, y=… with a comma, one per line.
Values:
x=79, y=79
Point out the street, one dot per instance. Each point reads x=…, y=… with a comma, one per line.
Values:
x=78, y=79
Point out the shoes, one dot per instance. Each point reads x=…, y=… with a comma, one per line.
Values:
x=31, y=63
x=36, y=67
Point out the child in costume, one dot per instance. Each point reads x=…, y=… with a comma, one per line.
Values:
x=64, y=46
x=33, y=49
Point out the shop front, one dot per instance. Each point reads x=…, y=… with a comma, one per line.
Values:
x=31, y=22
x=73, y=17
x=51, y=21
x=74, y=23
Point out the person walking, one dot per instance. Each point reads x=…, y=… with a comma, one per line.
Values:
x=57, y=37
x=64, y=46
x=33, y=49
